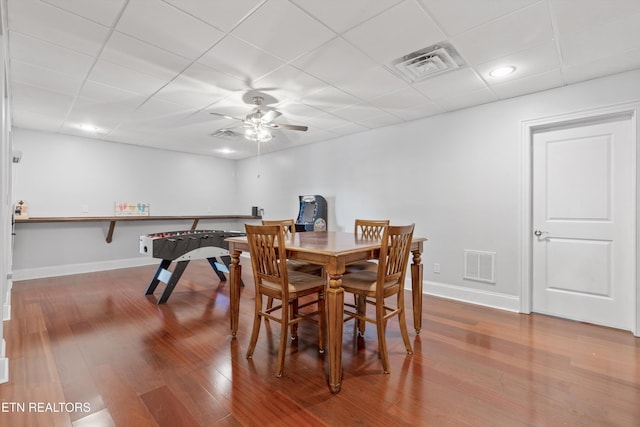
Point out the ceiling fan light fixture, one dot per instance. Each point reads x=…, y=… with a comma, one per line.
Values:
x=258, y=133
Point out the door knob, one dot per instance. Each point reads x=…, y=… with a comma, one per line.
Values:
x=539, y=233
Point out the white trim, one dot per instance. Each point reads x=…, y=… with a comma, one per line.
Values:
x=6, y=307
x=90, y=267
x=4, y=363
x=473, y=296
x=528, y=127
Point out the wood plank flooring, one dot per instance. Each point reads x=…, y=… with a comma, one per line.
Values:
x=100, y=353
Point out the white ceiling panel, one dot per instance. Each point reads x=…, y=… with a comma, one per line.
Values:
x=56, y=26
x=125, y=78
x=45, y=79
x=396, y=32
x=149, y=72
x=101, y=11
x=514, y=32
x=48, y=56
x=137, y=55
x=283, y=29
x=340, y=15
x=449, y=13
x=239, y=59
x=169, y=28
x=224, y=15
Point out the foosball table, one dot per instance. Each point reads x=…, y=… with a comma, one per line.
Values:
x=182, y=247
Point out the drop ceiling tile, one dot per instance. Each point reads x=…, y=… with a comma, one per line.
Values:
x=198, y=87
x=335, y=61
x=40, y=101
x=397, y=32
x=48, y=56
x=241, y=60
x=340, y=15
x=469, y=99
x=537, y=60
x=102, y=93
x=132, y=53
x=325, y=121
x=329, y=99
x=593, y=13
x=101, y=11
x=385, y=119
x=283, y=30
x=512, y=33
x=372, y=83
x=22, y=72
x=601, y=41
x=453, y=83
x=348, y=129
x=170, y=28
x=358, y=112
x=530, y=84
x=448, y=12
x=289, y=83
x=23, y=118
x=407, y=104
x=158, y=114
x=619, y=63
x=125, y=78
x=56, y=26
x=222, y=14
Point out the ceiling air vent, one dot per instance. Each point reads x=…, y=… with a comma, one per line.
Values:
x=225, y=134
x=427, y=62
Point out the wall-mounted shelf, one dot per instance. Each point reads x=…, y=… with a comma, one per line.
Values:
x=113, y=219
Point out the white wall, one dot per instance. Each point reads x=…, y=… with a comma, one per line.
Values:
x=456, y=175
x=59, y=175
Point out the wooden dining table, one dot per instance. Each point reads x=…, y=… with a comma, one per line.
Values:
x=334, y=251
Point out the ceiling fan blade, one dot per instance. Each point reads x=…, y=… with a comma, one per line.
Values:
x=270, y=115
x=290, y=127
x=226, y=116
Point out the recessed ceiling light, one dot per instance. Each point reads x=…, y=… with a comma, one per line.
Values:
x=502, y=71
x=88, y=127
x=225, y=151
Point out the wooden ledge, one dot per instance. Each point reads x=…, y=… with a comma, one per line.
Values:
x=113, y=219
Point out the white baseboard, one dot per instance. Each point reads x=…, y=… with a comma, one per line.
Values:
x=4, y=363
x=65, y=270
x=473, y=296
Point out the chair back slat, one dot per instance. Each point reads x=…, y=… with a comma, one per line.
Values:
x=265, y=247
x=394, y=253
x=370, y=229
x=288, y=225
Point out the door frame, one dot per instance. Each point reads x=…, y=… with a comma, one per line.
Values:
x=627, y=111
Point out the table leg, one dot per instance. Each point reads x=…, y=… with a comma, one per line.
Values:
x=235, y=275
x=335, y=308
x=416, y=289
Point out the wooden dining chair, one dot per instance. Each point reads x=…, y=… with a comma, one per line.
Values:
x=374, y=287
x=289, y=228
x=367, y=229
x=273, y=279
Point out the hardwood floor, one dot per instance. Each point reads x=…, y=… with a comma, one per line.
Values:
x=93, y=350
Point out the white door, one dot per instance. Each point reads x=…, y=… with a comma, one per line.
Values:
x=583, y=223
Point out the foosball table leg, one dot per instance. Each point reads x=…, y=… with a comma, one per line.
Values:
x=173, y=281
x=220, y=274
x=164, y=264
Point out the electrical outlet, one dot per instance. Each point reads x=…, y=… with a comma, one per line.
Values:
x=436, y=267
x=85, y=208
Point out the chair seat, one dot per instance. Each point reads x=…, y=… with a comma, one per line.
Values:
x=303, y=267
x=298, y=282
x=360, y=266
x=363, y=282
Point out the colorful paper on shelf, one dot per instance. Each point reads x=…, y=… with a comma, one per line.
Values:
x=131, y=209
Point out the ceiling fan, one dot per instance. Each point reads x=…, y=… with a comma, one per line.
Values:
x=259, y=123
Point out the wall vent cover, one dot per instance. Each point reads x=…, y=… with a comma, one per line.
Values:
x=425, y=63
x=479, y=266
